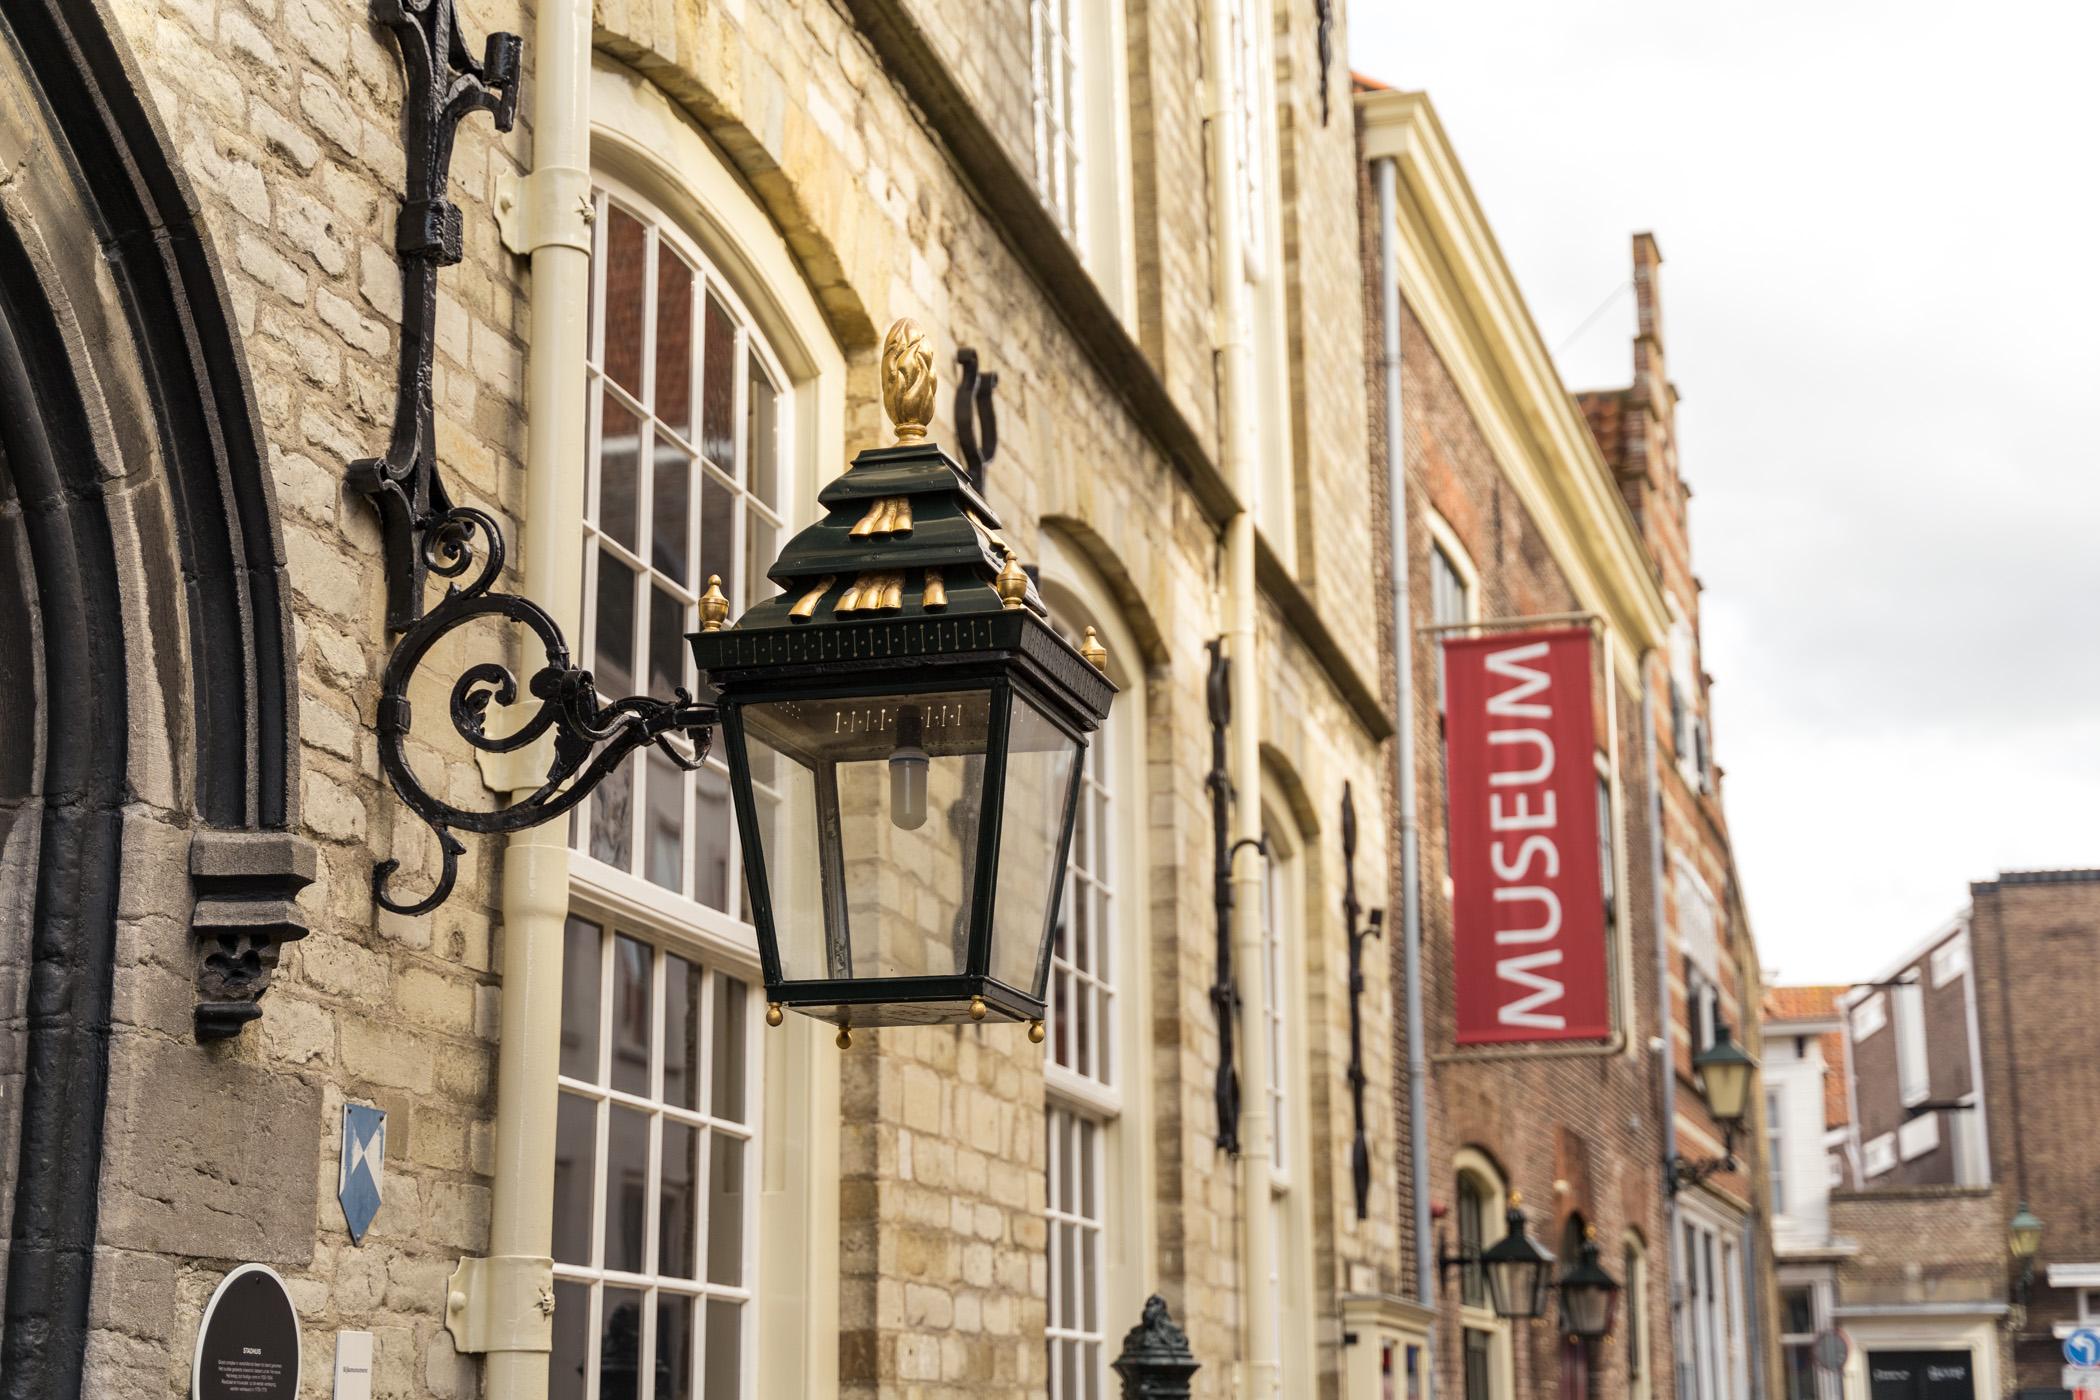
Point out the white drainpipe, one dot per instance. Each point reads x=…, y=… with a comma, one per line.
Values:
x=1388, y=172
x=547, y=215
x=1258, y=1376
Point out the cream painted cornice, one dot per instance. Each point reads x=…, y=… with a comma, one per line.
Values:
x=1454, y=279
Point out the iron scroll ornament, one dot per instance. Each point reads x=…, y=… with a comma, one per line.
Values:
x=423, y=533
x=1359, y=1145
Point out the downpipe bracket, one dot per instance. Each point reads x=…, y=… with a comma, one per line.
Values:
x=501, y=1304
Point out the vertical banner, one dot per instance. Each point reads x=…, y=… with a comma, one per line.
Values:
x=1529, y=950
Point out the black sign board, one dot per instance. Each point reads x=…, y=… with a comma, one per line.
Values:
x=248, y=1347
x=1920, y=1375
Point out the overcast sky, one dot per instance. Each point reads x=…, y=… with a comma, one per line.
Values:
x=1881, y=304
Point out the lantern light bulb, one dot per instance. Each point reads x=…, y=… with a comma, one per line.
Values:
x=908, y=765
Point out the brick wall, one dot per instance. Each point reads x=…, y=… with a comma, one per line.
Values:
x=1921, y=1244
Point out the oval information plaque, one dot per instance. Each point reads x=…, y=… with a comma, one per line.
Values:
x=248, y=1346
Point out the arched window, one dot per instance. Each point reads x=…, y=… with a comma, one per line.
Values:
x=710, y=385
x=1633, y=1314
x=1097, y=1184
x=1487, y=1361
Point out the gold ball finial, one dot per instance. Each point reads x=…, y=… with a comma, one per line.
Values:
x=1035, y=1032
x=977, y=1009
x=1091, y=648
x=774, y=1015
x=1012, y=582
x=907, y=379
x=1516, y=1199
x=714, y=608
x=844, y=1039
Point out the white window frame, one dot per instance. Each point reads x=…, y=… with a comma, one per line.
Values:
x=1775, y=1144
x=1282, y=1011
x=1913, y=1059
x=1918, y=1136
x=1078, y=596
x=1088, y=113
x=1878, y=1155
x=1869, y=1015
x=1950, y=960
x=667, y=941
x=1494, y=1224
x=1635, y=1314
x=751, y=343
x=1715, y=1354
x=646, y=146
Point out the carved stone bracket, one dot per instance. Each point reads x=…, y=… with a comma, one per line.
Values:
x=247, y=885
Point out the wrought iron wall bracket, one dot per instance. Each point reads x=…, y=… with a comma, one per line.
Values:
x=976, y=420
x=1224, y=993
x=1685, y=1172
x=1359, y=1147
x=423, y=533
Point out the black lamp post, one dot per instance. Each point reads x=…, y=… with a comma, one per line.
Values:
x=1589, y=1297
x=1724, y=1071
x=904, y=732
x=1519, y=1270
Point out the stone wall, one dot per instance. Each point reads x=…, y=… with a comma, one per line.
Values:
x=284, y=113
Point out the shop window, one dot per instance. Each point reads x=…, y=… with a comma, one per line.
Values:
x=655, y=1220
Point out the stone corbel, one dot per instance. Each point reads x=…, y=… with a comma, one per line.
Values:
x=247, y=887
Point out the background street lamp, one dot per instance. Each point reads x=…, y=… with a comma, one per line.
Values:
x=1518, y=1269
x=1589, y=1297
x=2024, y=1240
x=904, y=731
x=1724, y=1071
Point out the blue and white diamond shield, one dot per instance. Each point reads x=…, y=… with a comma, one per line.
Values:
x=364, y=1166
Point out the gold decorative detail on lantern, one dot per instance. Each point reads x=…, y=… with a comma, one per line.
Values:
x=1035, y=1032
x=714, y=608
x=935, y=597
x=844, y=1039
x=907, y=380
x=1012, y=582
x=774, y=1015
x=886, y=515
x=874, y=591
x=1090, y=647
x=978, y=1010
x=806, y=606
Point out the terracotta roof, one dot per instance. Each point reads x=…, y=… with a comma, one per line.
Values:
x=1364, y=82
x=1802, y=1003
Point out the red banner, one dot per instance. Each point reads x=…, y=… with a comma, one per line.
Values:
x=1527, y=897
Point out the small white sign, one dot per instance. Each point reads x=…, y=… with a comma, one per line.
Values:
x=2085, y=1378
x=353, y=1366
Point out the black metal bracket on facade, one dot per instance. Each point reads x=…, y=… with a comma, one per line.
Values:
x=1683, y=1173
x=424, y=533
x=1323, y=11
x=976, y=420
x=1359, y=1146
x=1224, y=995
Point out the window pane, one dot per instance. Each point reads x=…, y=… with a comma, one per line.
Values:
x=626, y=1188
x=671, y=510
x=674, y=1348
x=575, y=1177
x=762, y=435
x=631, y=1000
x=620, y=1345
x=619, y=471
x=725, y=1209
x=613, y=649
x=717, y=530
x=681, y=1032
x=761, y=548
x=676, y=1227
x=665, y=852
x=579, y=1000
x=566, y=1370
x=731, y=997
x=667, y=645
x=626, y=251
x=712, y=838
x=718, y=389
x=674, y=342
x=725, y=1344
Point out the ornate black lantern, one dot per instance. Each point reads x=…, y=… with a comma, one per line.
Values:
x=904, y=732
x=1725, y=1069
x=1519, y=1271
x=1589, y=1297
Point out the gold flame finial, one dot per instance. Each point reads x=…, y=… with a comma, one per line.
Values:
x=1012, y=582
x=907, y=379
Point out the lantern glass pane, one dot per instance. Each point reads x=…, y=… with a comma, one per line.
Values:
x=1041, y=762
x=869, y=855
